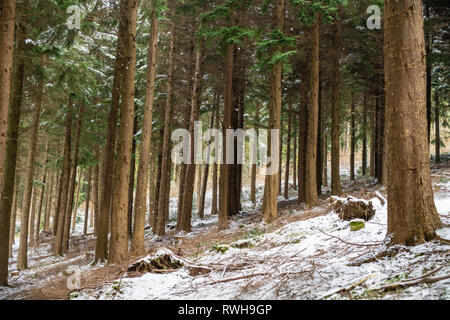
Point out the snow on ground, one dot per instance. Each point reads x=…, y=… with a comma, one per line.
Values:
x=302, y=260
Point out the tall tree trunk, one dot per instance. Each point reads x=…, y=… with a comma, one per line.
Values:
x=9, y=126
x=436, y=128
x=270, y=206
x=429, y=68
x=226, y=124
x=41, y=200
x=137, y=243
x=201, y=206
x=215, y=169
x=104, y=203
x=352, y=138
x=319, y=159
x=364, y=137
x=73, y=179
x=280, y=157
x=77, y=197
x=48, y=202
x=7, y=11
x=311, y=196
x=412, y=215
x=336, y=111
x=254, y=165
x=88, y=198
x=165, y=181
x=64, y=184
x=22, y=260
x=288, y=157
x=186, y=212
x=372, y=141
x=119, y=237
x=302, y=133
x=294, y=153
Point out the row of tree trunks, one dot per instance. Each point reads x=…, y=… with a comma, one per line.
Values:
x=72, y=183
x=103, y=204
x=22, y=260
x=302, y=134
x=186, y=212
x=64, y=183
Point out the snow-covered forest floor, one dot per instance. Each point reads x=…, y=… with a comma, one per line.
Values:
x=305, y=254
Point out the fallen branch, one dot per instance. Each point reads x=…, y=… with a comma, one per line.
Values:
x=349, y=287
x=352, y=243
x=425, y=278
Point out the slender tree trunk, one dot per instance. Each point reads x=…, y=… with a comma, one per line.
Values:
x=77, y=197
x=270, y=206
x=119, y=237
x=224, y=167
x=311, y=196
x=288, y=157
x=186, y=212
x=215, y=170
x=22, y=260
x=88, y=198
x=71, y=206
x=137, y=244
x=302, y=134
x=48, y=202
x=436, y=128
x=165, y=181
x=201, y=206
x=294, y=154
x=59, y=189
x=41, y=200
x=352, y=138
x=319, y=159
x=335, y=111
x=64, y=185
x=280, y=158
x=96, y=210
x=412, y=215
x=364, y=137
x=372, y=142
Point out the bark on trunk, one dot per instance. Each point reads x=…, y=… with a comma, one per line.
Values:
x=119, y=236
x=165, y=162
x=288, y=158
x=9, y=127
x=436, y=128
x=412, y=215
x=335, y=111
x=137, y=243
x=311, y=196
x=352, y=138
x=270, y=206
